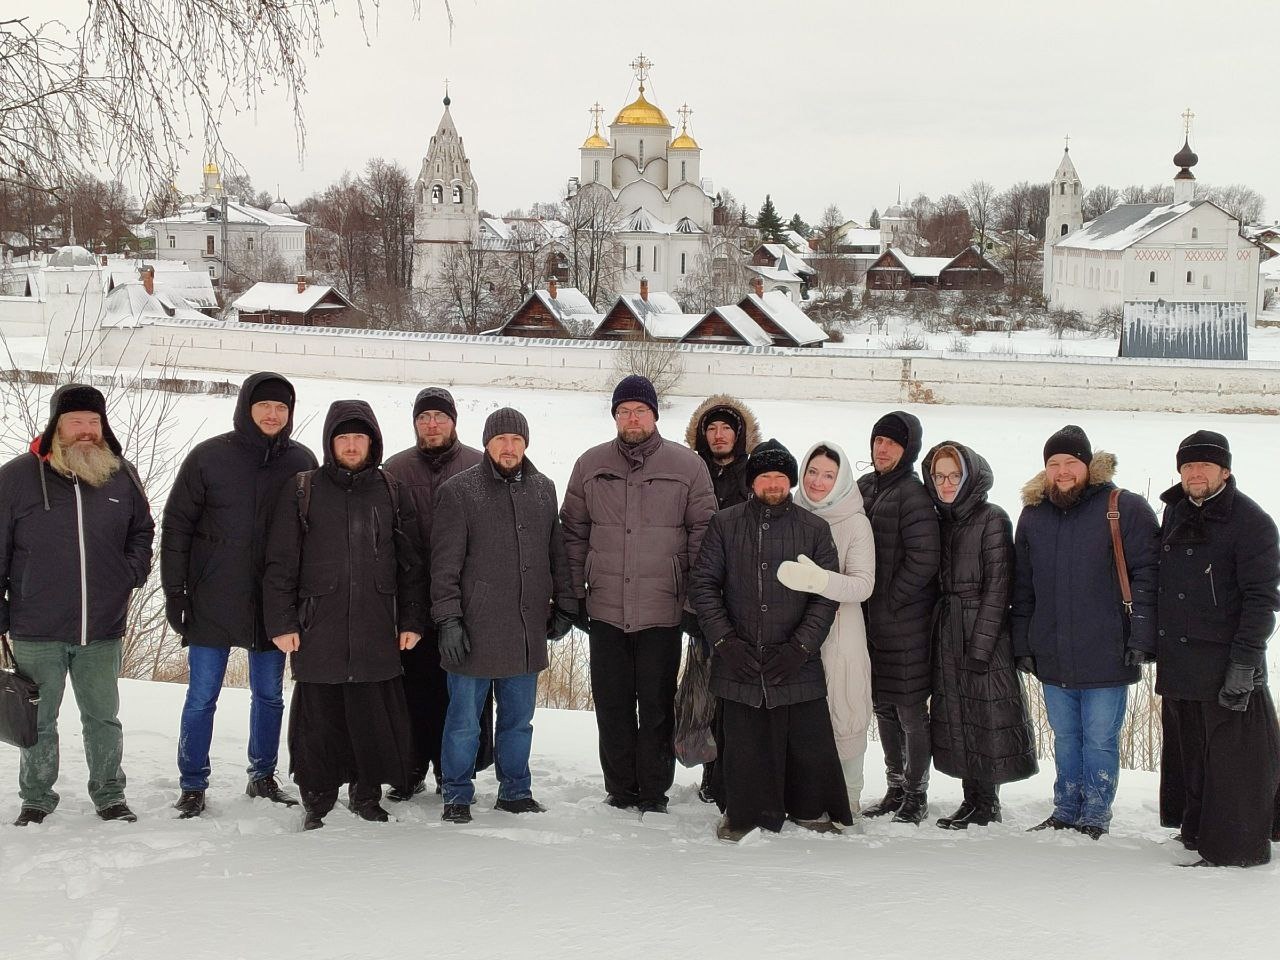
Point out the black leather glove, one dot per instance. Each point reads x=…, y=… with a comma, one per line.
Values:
x=582, y=621
x=1026, y=664
x=784, y=662
x=1133, y=657
x=690, y=626
x=739, y=657
x=452, y=637
x=558, y=623
x=177, y=610
x=1237, y=686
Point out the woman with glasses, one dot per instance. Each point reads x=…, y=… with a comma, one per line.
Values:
x=979, y=725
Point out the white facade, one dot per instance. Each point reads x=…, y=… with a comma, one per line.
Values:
x=445, y=204
x=225, y=236
x=898, y=229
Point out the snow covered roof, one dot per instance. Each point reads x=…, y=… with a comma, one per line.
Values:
x=284, y=298
x=1125, y=224
x=129, y=305
x=660, y=315
x=500, y=233
x=237, y=212
x=743, y=325
x=641, y=220
x=788, y=259
x=72, y=257
x=796, y=240
x=773, y=274
x=860, y=237
x=779, y=308
x=1270, y=269
x=194, y=286
x=920, y=266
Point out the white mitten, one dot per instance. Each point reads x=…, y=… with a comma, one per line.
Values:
x=803, y=574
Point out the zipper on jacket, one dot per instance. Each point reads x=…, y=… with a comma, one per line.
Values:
x=1212, y=589
x=764, y=687
x=84, y=575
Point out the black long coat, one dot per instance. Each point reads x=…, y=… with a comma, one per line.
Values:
x=978, y=714
x=1219, y=571
x=354, y=580
x=498, y=561
x=900, y=609
x=213, y=542
x=734, y=588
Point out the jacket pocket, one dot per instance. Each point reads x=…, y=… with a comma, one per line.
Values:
x=677, y=576
x=1213, y=590
x=662, y=500
x=317, y=581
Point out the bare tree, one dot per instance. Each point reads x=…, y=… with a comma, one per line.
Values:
x=1099, y=200
x=659, y=361
x=461, y=297
x=719, y=274
x=251, y=260
x=592, y=220
x=980, y=199
x=1243, y=203
x=945, y=226
x=389, y=201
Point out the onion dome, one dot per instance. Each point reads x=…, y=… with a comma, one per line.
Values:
x=641, y=113
x=1185, y=158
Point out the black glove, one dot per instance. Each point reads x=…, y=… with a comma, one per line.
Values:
x=739, y=658
x=784, y=662
x=558, y=623
x=690, y=626
x=177, y=610
x=1237, y=686
x=1026, y=664
x=452, y=637
x=1133, y=657
x=582, y=621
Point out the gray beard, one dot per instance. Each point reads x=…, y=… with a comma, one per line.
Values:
x=94, y=465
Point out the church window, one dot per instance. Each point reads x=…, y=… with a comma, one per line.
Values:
x=1195, y=233
x=437, y=166
x=172, y=241
x=1205, y=282
x=248, y=242
x=682, y=256
x=1075, y=187
x=437, y=193
x=1063, y=232
x=655, y=258
x=682, y=173
x=595, y=171
x=457, y=193
x=1151, y=277
x=208, y=245
x=637, y=258
x=1062, y=189
x=642, y=153
x=1191, y=277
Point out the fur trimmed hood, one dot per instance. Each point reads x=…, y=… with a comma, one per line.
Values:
x=695, y=433
x=1101, y=470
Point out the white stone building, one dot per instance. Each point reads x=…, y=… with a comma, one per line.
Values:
x=446, y=203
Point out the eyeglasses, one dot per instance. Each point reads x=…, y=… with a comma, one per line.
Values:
x=950, y=478
x=638, y=414
x=434, y=418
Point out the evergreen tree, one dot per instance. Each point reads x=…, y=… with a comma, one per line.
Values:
x=874, y=222
x=799, y=226
x=768, y=223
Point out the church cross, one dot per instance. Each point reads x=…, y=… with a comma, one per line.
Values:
x=1187, y=117
x=596, y=112
x=685, y=114
x=1067, y=146
x=642, y=65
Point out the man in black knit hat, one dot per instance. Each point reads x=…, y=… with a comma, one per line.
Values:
x=1219, y=590
x=421, y=470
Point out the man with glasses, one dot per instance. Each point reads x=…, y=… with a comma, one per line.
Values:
x=634, y=514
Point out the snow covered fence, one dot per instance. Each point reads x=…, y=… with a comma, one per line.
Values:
x=882, y=376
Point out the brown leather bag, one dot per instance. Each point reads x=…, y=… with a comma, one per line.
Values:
x=1117, y=550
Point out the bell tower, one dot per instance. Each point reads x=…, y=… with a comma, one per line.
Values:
x=446, y=202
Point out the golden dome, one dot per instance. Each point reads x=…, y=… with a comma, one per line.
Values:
x=684, y=142
x=641, y=113
x=594, y=141
x=211, y=167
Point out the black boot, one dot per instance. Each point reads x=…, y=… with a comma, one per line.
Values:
x=915, y=807
x=268, y=789
x=456, y=813
x=890, y=804
x=401, y=794
x=312, y=820
x=190, y=804
x=969, y=814
x=29, y=815
x=371, y=811
x=118, y=811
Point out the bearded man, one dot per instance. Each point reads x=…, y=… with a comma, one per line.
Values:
x=75, y=542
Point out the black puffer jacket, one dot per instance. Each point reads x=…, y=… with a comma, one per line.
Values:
x=354, y=579
x=1067, y=610
x=728, y=479
x=899, y=610
x=978, y=714
x=56, y=533
x=214, y=539
x=1219, y=568
x=734, y=588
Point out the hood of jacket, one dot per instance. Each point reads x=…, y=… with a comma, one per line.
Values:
x=838, y=504
x=341, y=410
x=44, y=442
x=242, y=420
x=975, y=489
x=911, y=453
x=1101, y=470
x=695, y=435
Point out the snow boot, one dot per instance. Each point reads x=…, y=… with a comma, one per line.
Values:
x=312, y=820
x=620, y=802
x=456, y=813
x=890, y=804
x=527, y=805
x=268, y=789
x=727, y=833
x=915, y=807
x=371, y=811
x=118, y=811
x=30, y=815
x=1052, y=823
x=968, y=814
x=190, y=804
x=1092, y=832
x=401, y=794
x=817, y=826
x=652, y=806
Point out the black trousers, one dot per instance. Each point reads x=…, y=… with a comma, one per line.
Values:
x=907, y=742
x=426, y=692
x=981, y=793
x=633, y=684
x=1228, y=764
x=780, y=763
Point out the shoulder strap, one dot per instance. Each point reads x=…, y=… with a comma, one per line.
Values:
x=393, y=491
x=1117, y=549
x=303, y=494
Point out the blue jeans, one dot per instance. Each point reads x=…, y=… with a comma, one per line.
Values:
x=512, y=735
x=208, y=666
x=1086, y=751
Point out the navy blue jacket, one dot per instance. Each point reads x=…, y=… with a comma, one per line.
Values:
x=1067, y=610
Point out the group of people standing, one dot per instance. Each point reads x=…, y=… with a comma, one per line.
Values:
x=414, y=596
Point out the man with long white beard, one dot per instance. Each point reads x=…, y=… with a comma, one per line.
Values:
x=75, y=541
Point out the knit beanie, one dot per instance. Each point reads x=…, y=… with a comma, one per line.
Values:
x=1205, y=446
x=892, y=426
x=506, y=420
x=1070, y=440
x=770, y=457
x=435, y=398
x=353, y=425
x=635, y=389
x=274, y=390
x=723, y=414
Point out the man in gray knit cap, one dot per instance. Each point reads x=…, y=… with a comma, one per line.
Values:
x=500, y=590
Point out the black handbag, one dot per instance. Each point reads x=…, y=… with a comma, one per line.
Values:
x=19, y=701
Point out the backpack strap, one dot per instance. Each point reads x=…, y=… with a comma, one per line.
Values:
x=303, y=494
x=1117, y=550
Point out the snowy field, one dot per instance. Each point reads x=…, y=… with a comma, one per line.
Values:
x=585, y=880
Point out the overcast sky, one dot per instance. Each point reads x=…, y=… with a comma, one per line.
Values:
x=817, y=102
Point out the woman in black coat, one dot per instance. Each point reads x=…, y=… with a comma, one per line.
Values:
x=980, y=729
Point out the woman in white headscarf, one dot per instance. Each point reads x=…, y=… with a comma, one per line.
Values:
x=829, y=489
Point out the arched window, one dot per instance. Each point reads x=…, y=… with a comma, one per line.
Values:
x=595, y=171
x=638, y=252
x=1195, y=233
x=1063, y=233
x=1062, y=189
x=457, y=193
x=682, y=174
x=437, y=193
x=1205, y=282
x=655, y=259
x=642, y=153
x=1075, y=187
x=682, y=256
x=1191, y=278
x=1151, y=277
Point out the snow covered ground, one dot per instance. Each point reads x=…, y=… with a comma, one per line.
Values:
x=584, y=880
